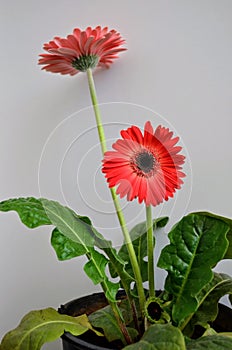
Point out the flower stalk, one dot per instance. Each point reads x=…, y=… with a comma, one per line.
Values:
x=131, y=251
x=150, y=251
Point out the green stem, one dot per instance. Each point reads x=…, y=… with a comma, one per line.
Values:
x=96, y=110
x=150, y=251
x=131, y=251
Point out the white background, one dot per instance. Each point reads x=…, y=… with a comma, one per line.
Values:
x=178, y=64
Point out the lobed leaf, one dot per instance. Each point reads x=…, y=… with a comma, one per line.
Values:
x=37, y=212
x=73, y=235
x=197, y=243
x=42, y=326
x=30, y=210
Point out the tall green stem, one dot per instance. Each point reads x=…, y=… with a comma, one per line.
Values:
x=150, y=251
x=97, y=112
x=131, y=251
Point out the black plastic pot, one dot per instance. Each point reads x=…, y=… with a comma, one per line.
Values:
x=93, y=302
x=87, y=341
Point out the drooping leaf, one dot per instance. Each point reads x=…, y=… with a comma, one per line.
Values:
x=30, y=210
x=212, y=342
x=138, y=236
x=160, y=337
x=73, y=235
x=105, y=320
x=42, y=326
x=67, y=222
x=197, y=243
x=67, y=249
x=37, y=212
x=228, y=254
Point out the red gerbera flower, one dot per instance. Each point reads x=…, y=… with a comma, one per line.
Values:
x=147, y=167
x=82, y=50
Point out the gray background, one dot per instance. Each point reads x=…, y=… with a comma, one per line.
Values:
x=177, y=71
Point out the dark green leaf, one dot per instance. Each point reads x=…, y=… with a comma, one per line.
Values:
x=105, y=320
x=138, y=236
x=197, y=243
x=30, y=210
x=160, y=337
x=212, y=342
x=68, y=223
x=67, y=249
x=228, y=254
x=42, y=326
x=64, y=247
x=95, y=269
x=209, y=296
x=37, y=212
x=116, y=263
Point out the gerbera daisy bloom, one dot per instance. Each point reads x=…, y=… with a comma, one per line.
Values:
x=82, y=50
x=147, y=167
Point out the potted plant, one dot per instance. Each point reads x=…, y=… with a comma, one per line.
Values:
x=147, y=165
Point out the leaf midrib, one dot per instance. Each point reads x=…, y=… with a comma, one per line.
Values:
x=191, y=263
x=46, y=323
x=71, y=229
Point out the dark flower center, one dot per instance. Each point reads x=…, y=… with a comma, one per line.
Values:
x=154, y=311
x=145, y=161
x=82, y=63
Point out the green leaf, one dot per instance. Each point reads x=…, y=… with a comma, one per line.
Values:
x=197, y=243
x=68, y=223
x=95, y=269
x=116, y=263
x=212, y=342
x=138, y=236
x=105, y=320
x=209, y=297
x=67, y=249
x=228, y=254
x=160, y=337
x=30, y=210
x=42, y=326
x=36, y=212
x=64, y=247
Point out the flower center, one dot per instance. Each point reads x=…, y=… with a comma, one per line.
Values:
x=82, y=63
x=145, y=161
